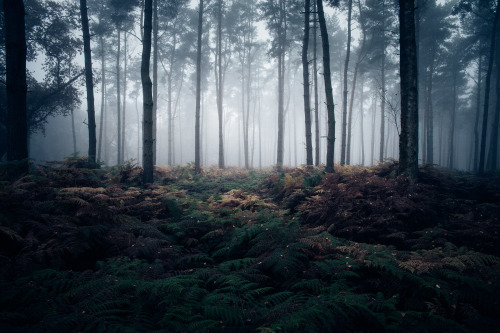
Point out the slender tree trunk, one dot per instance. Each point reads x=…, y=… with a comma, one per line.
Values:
x=305, y=74
x=124, y=92
x=408, y=142
x=496, y=121
x=147, y=152
x=247, y=121
x=430, y=117
x=328, y=88
x=482, y=154
x=73, y=131
x=103, y=96
x=354, y=79
x=88, y=82
x=315, y=78
x=374, y=114
x=197, y=158
x=344, y=92
x=219, y=87
x=118, y=111
x=451, y=149
x=138, y=131
x=281, y=87
x=478, y=113
x=155, y=75
x=362, y=130
x=382, y=109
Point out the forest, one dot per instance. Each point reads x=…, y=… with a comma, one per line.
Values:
x=249, y=166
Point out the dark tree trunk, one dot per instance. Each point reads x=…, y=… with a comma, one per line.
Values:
x=147, y=144
x=281, y=86
x=494, y=134
x=430, y=117
x=328, y=88
x=118, y=103
x=316, y=96
x=344, y=92
x=197, y=157
x=408, y=141
x=103, y=96
x=478, y=113
x=482, y=154
x=73, y=131
x=305, y=74
x=15, y=51
x=155, y=75
x=382, y=109
x=88, y=82
x=451, y=149
x=124, y=92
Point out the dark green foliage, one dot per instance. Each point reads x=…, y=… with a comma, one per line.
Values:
x=92, y=251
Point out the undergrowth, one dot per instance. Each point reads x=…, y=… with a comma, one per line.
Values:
x=362, y=250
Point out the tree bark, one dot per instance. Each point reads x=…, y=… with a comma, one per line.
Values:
x=496, y=121
x=155, y=75
x=88, y=82
x=118, y=108
x=316, y=96
x=124, y=92
x=487, y=91
x=305, y=74
x=408, y=142
x=281, y=86
x=345, y=92
x=103, y=96
x=197, y=157
x=328, y=88
x=15, y=51
x=219, y=85
x=147, y=152
x=478, y=113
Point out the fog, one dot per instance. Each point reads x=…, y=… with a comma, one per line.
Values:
x=453, y=43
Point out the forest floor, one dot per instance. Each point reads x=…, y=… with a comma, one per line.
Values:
x=361, y=250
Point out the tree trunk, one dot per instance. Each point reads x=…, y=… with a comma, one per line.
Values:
x=147, y=152
x=305, y=74
x=487, y=92
x=103, y=96
x=281, y=86
x=430, y=117
x=219, y=86
x=118, y=111
x=382, y=109
x=451, y=150
x=408, y=142
x=73, y=131
x=328, y=88
x=344, y=92
x=316, y=96
x=88, y=82
x=494, y=134
x=15, y=54
x=478, y=113
x=124, y=92
x=197, y=157
x=362, y=99
x=155, y=75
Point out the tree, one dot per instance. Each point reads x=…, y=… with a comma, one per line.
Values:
x=494, y=35
x=15, y=54
x=344, y=93
x=330, y=107
x=147, y=93
x=361, y=54
x=89, y=82
x=408, y=141
x=315, y=79
x=197, y=157
x=305, y=73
